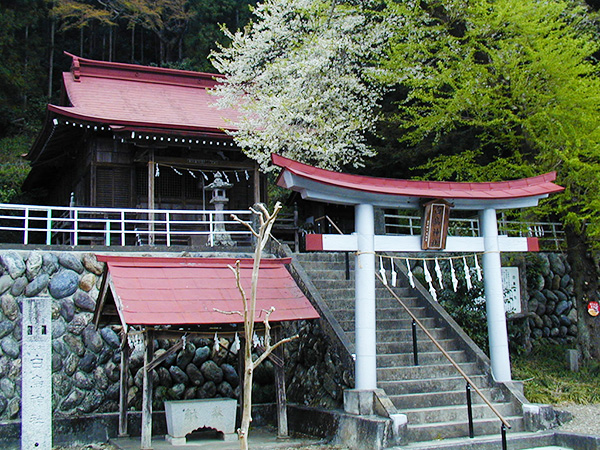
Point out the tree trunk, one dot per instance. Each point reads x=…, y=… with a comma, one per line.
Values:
x=81, y=42
x=110, y=43
x=132, y=44
x=51, y=58
x=585, y=278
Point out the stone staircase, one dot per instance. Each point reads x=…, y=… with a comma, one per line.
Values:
x=432, y=394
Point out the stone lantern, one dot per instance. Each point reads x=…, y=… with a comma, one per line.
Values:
x=219, y=199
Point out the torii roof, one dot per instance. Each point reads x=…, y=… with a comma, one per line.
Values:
x=196, y=291
x=129, y=95
x=342, y=188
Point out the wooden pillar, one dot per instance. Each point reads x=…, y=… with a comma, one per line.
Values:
x=151, y=200
x=146, y=443
x=123, y=388
x=282, y=423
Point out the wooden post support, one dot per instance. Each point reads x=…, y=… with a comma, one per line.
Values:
x=146, y=443
x=123, y=387
x=151, y=201
x=282, y=423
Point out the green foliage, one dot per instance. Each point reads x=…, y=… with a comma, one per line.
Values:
x=13, y=169
x=548, y=379
x=501, y=90
x=467, y=307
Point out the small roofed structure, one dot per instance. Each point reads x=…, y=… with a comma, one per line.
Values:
x=131, y=136
x=166, y=298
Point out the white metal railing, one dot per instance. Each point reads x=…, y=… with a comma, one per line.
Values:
x=550, y=234
x=31, y=224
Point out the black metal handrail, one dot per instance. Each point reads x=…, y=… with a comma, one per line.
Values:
x=468, y=380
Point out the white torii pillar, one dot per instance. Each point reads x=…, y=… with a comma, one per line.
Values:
x=365, y=334
x=494, y=297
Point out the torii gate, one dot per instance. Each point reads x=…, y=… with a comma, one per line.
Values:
x=365, y=193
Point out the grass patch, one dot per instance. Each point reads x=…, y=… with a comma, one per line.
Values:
x=548, y=379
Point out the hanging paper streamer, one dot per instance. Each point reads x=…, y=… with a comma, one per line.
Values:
x=255, y=340
x=237, y=177
x=438, y=272
x=176, y=171
x=382, y=271
x=235, y=346
x=226, y=177
x=204, y=175
x=453, y=276
x=157, y=172
x=394, y=274
x=192, y=174
x=467, y=274
x=478, y=269
x=216, y=346
x=429, y=280
x=136, y=342
x=432, y=292
x=410, y=274
x=184, y=340
x=247, y=176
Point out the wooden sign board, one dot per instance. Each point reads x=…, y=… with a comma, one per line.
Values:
x=434, y=227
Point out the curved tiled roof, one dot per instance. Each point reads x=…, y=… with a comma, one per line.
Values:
x=184, y=291
x=131, y=95
x=525, y=187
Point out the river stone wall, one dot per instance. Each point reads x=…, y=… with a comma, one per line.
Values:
x=85, y=362
x=550, y=298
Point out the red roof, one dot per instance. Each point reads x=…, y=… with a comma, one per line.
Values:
x=525, y=187
x=128, y=95
x=178, y=291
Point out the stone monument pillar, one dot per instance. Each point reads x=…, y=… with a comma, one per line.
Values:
x=36, y=383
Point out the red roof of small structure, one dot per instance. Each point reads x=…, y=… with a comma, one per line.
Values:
x=525, y=187
x=128, y=95
x=185, y=291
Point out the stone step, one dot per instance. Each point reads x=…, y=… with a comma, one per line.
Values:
x=386, y=336
x=336, y=289
x=438, y=398
x=345, y=315
x=425, y=358
x=515, y=441
x=456, y=413
x=445, y=430
x=424, y=371
x=392, y=324
x=313, y=257
x=428, y=385
x=423, y=345
x=329, y=271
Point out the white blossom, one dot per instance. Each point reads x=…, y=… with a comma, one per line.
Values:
x=299, y=76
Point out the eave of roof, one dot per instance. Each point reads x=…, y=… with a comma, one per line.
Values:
x=326, y=185
x=199, y=291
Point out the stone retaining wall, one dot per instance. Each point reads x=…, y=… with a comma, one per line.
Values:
x=551, y=301
x=85, y=362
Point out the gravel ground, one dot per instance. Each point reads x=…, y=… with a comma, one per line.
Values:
x=585, y=419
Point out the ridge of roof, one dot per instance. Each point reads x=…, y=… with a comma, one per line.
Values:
x=83, y=67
